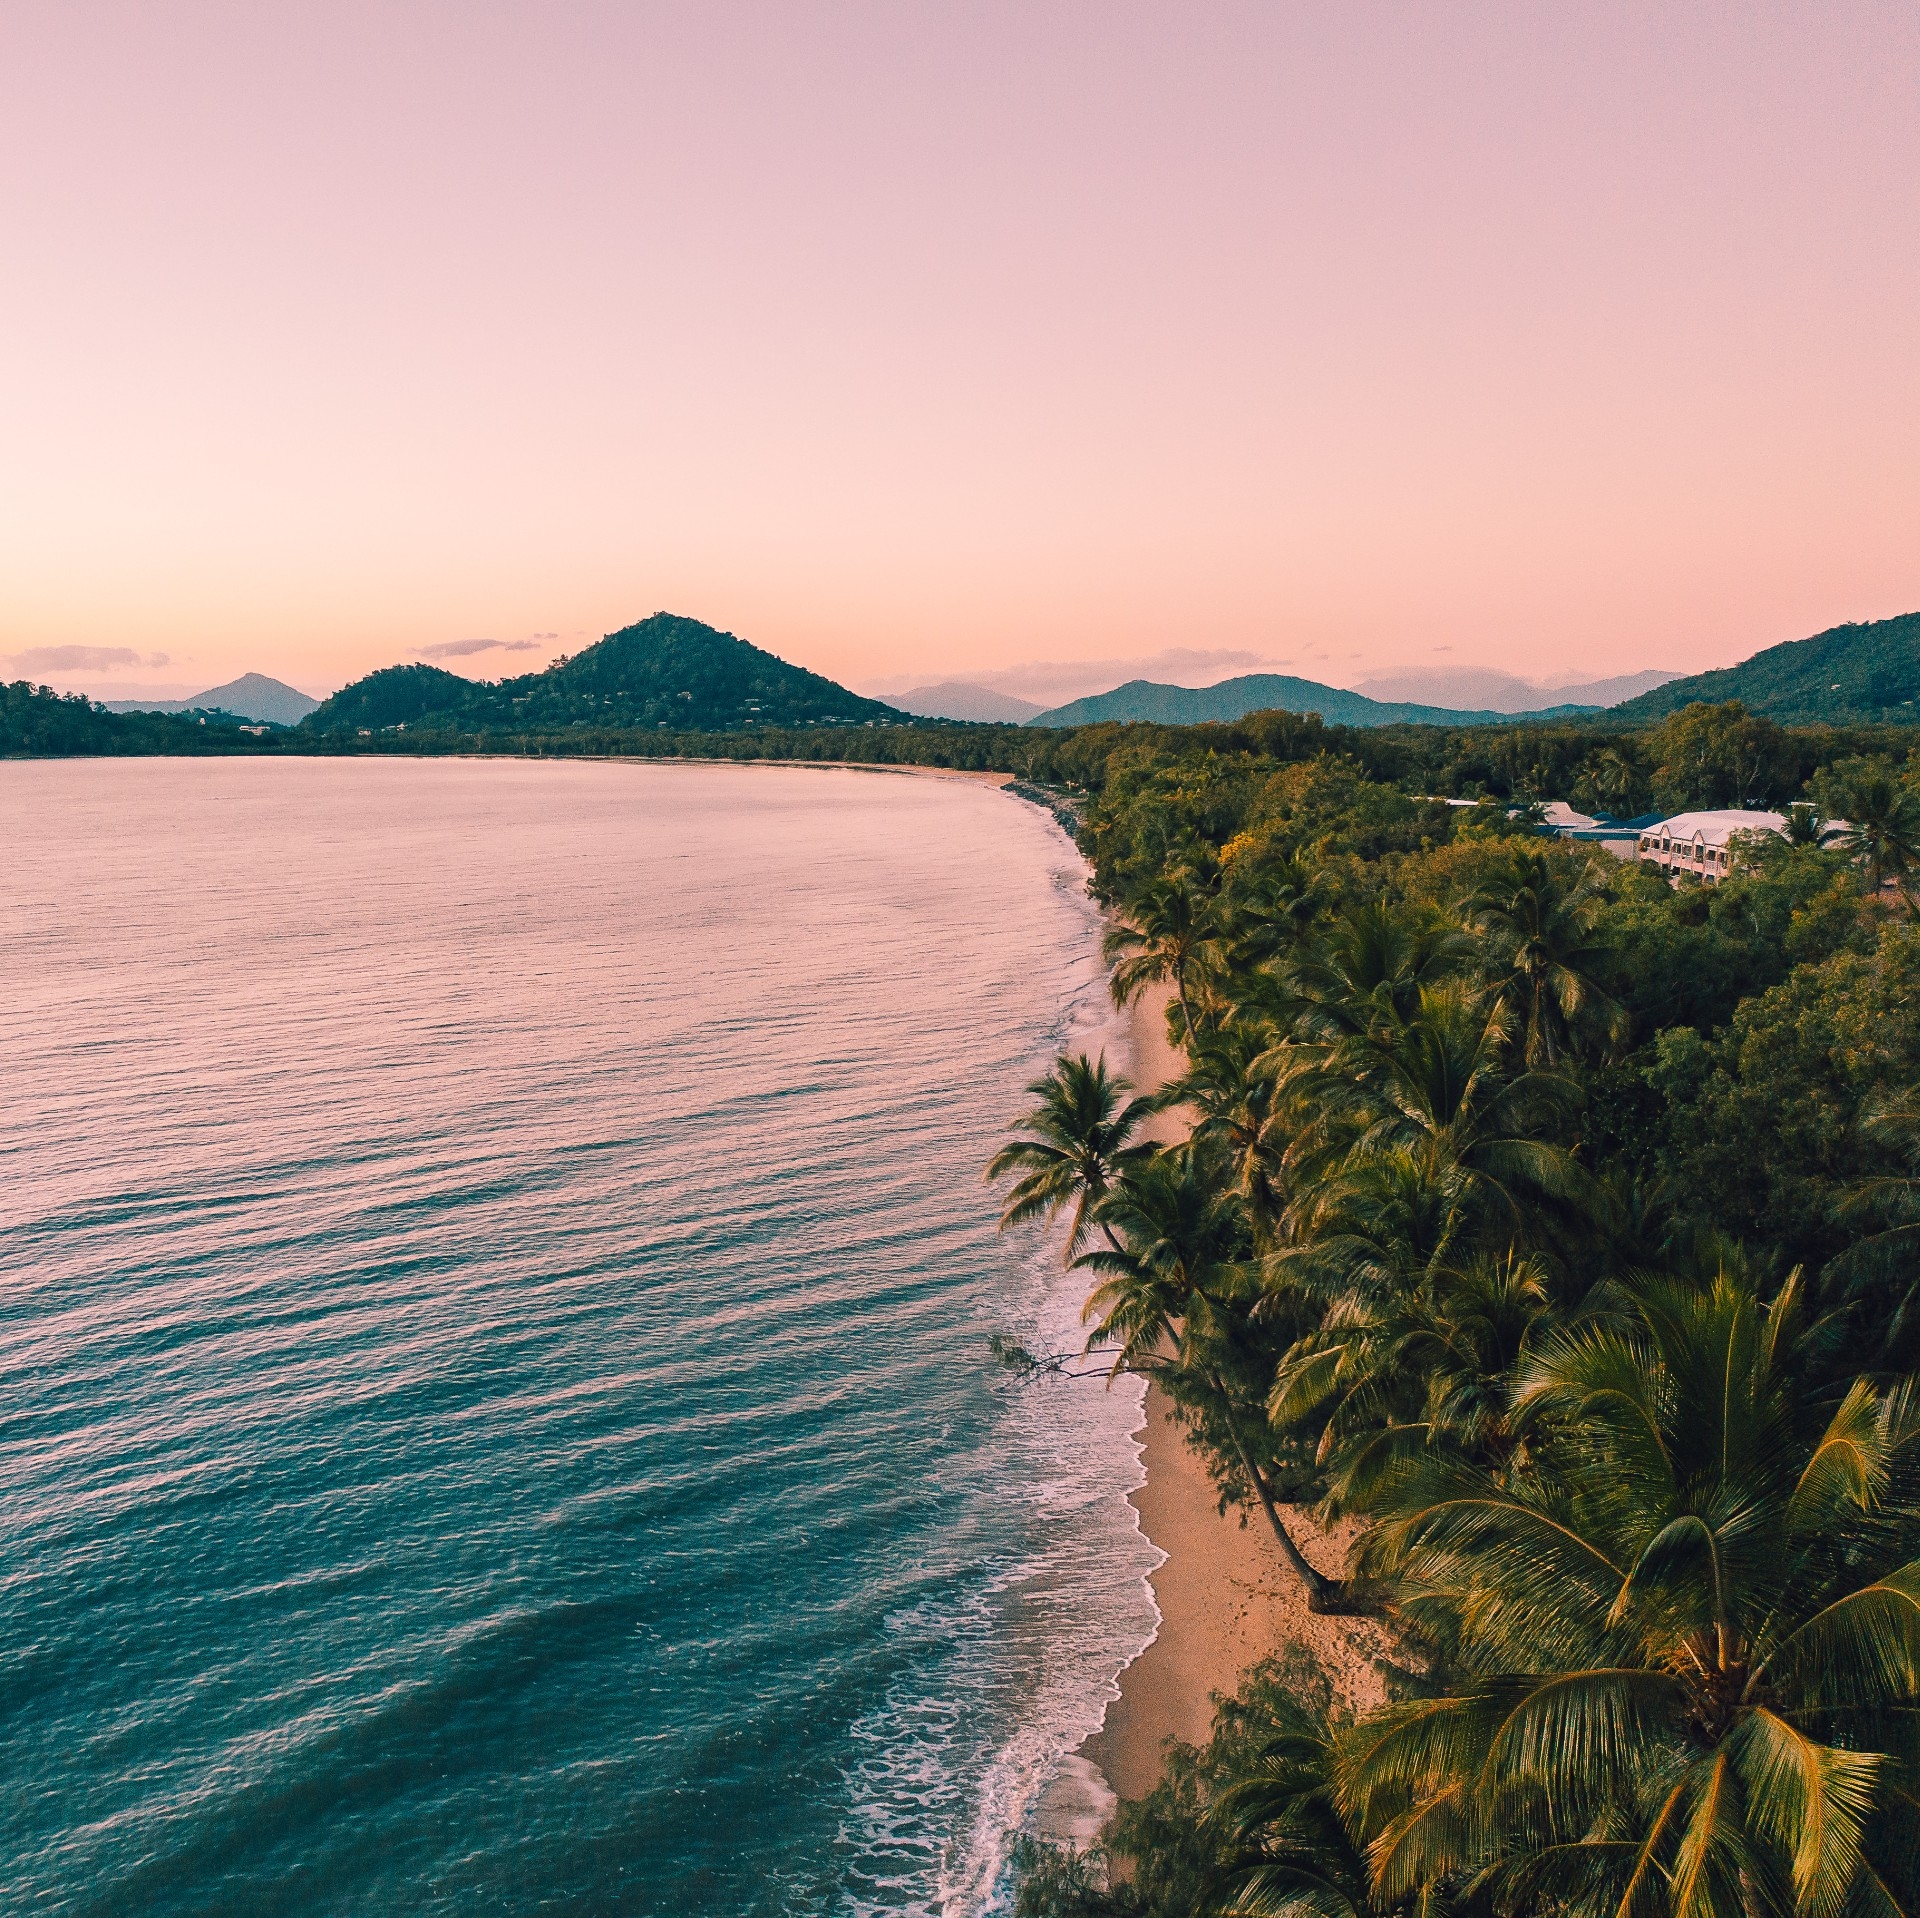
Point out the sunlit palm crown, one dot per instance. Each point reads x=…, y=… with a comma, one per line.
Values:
x=1692, y=1637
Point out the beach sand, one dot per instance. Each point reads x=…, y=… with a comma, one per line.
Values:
x=1226, y=1597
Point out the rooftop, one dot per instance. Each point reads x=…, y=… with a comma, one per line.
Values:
x=1715, y=828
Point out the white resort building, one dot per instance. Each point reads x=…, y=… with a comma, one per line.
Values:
x=1701, y=843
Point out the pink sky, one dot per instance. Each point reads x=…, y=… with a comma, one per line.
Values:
x=1567, y=340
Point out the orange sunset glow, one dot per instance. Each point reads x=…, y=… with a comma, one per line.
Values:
x=1572, y=340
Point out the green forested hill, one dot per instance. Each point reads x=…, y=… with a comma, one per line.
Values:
x=666, y=672
x=38, y=723
x=402, y=696
x=1148, y=700
x=1848, y=675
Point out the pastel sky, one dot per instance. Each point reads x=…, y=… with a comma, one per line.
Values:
x=1564, y=339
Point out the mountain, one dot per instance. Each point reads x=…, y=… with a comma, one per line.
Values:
x=251, y=696
x=666, y=672
x=1262, y=692
x=1478, y=688
x=957, y=699
x=1846, y=675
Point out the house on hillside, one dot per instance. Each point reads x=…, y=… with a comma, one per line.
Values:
x=1701, y=843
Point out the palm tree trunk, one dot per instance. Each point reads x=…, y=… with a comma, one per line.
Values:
x=1327, y=1596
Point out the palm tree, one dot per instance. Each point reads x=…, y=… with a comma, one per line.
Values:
x=1890, y=1201
x=1475, y=1331
x=1437, y=1087
x=1244, y=1093
x=1163, y=939
x=1356, y=1248
x=1266, y=915
x=1805, y=827
x=1689, y=1642
x=1365, y=972
x=1394, y=1375
x=1078, y=1140
x=1378, y=1224
x=1164, y=1301
x=1400, y=1248
x=1882, y=824
x=1539, y=920
x=1294, y=1856
x=1617, y=785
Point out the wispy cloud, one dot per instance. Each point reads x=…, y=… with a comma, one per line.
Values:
x=81, y=659
x=466, y=648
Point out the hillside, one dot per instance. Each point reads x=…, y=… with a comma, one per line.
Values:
x=1849, y=675
x=666, y=672
x=1144, y=699
x=252, y=696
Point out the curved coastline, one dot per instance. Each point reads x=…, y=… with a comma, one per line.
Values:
x=418, y=1301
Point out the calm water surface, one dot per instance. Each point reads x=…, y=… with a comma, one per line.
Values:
x=494, y=1280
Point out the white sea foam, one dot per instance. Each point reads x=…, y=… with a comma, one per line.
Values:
x=1079, y=1435
x=496, y=1344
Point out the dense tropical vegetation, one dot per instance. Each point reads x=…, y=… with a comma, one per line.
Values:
x=38, y=723
x=1560, y=1227
x=1557, y=1226
x=1868, y=670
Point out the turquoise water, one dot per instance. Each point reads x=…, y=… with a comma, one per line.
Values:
x=494, y=1279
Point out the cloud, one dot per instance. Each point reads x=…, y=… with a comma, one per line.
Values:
x=466, y=648
x=82, y=659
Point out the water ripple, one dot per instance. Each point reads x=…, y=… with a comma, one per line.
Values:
x=493, y=1288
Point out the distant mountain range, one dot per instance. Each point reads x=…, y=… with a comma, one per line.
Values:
x=1448, y=689
x=960, y=699
x=1142, y=699
x=673, y=673
x=1844, y=676
x=1849, y=675
x=667, y=672
x=1474, y=688
x=252, y=696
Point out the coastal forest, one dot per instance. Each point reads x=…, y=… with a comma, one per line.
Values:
x=1554, y=1229
x=1560, y=1229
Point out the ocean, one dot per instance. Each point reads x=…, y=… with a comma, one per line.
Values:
x=495, y=1281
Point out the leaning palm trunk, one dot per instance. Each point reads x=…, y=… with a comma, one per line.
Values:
x=1325, y=1596
x=1171, y=1223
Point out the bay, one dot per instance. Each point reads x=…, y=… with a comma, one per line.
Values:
x=494, y=1288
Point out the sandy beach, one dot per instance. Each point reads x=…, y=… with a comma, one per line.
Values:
x=1226, y=1597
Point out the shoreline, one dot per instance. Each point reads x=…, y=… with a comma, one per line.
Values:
x=1225, y=1596
x=613, y=759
